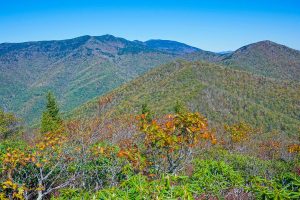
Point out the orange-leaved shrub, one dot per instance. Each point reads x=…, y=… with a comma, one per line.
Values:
x=239, y=132
x=166, y=144
x=36, y=171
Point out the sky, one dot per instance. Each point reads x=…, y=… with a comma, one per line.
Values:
x=213, y=25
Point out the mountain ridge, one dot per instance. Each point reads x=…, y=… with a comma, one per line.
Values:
x=151, y=43
x=75, y=70
x=222, y=94
x=82, y=68
x=266, y=58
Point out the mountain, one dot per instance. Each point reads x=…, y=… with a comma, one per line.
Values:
x=76, y=70
x=222, y=94
x=264, y=58
x=171, y=46
x=267, y=58
x=82, y=68
x=225, y=52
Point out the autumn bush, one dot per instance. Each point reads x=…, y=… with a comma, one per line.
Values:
x=167, y=144
x=9, y=125
x=176, y=156
x=37, y=170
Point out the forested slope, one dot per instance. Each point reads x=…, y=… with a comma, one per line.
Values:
x=220, y=93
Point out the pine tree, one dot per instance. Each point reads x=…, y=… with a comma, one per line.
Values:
x=179, y=107
x=147, y=112
x=52, y=107
x=51, y=119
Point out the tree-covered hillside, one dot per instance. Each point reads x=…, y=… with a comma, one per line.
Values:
x=76, y=70
x=220, y=93
x=80, y=69
x=267, y=58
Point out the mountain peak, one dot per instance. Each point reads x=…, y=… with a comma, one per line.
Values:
x=170, y=46
x=264, y=45
x=266, y=42
x=267, y=58
x=110, y=38
x=83, y=37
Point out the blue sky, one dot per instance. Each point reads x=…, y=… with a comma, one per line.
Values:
x=211, y=25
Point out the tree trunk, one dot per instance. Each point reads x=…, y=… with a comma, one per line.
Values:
x=40, y=195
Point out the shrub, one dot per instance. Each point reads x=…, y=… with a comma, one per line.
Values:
x=168, y=143
x=9, y=125
x=239, y=132
x=37, y=171
x=285, y=186
x=214, y=177
x=249, y=166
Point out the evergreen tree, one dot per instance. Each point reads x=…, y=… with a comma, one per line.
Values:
x=51, y=119
x=147, y=112
x=52, y=106
x=179, y=107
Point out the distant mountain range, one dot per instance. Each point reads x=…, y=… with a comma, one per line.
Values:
x=76, y=70
x=80, y=69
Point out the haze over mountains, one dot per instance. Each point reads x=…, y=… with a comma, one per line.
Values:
x=80, y=69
